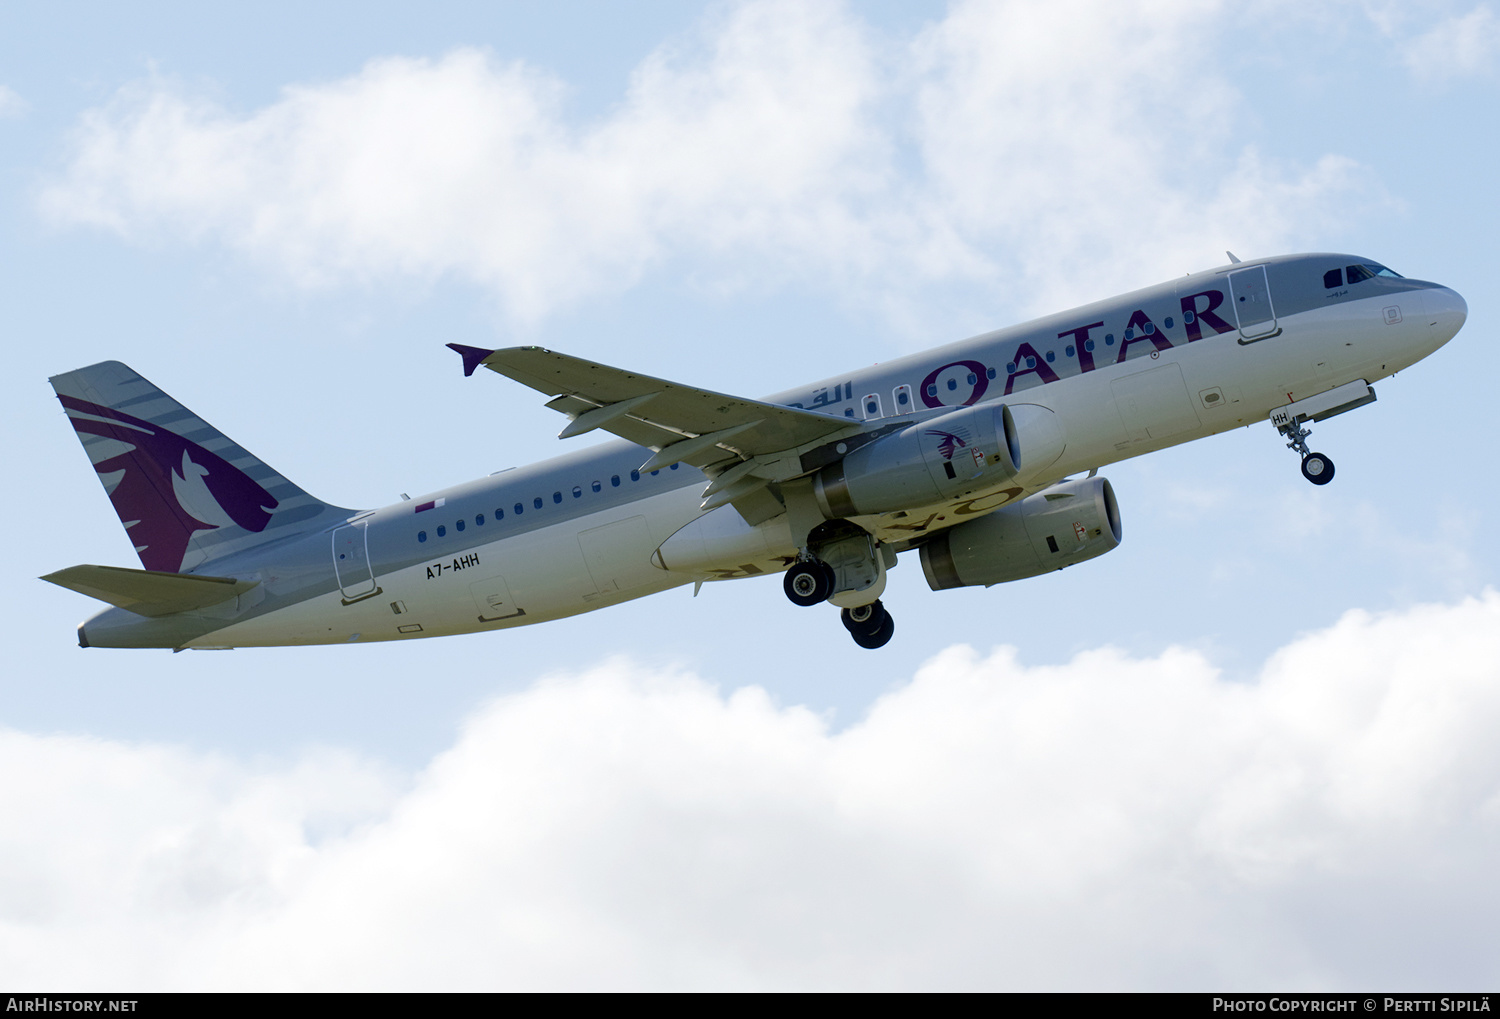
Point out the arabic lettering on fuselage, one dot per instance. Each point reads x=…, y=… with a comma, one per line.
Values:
x=828, y=396
x=840, y=393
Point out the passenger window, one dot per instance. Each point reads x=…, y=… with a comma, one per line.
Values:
x=1068, y=350
x=872, y=406
x=557, y=497
x=973, y=379
x=635, y=475
x=903, y=399
x=577, y=492
x=989, y=373
x=421, y=535
x=519, y=509
x=614, y=481
x=1333, y=279
x=499, y=514
x=460, y=524
x=1051, y=356
x=442, y=531
x=597, y=487
x=932, y=389
x=536, y=503
x=479, y=520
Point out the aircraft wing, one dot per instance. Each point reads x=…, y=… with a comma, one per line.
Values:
x=696, y=426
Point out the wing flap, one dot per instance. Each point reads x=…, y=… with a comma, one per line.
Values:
x=673, y=413
x=642, y=433
x=149, y=592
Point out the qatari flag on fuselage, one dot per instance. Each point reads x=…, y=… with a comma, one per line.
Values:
x=422, y=507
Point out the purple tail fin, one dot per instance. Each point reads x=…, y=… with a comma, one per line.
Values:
x=185, y=492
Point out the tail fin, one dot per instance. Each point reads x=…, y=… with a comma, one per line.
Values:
x=185, y=492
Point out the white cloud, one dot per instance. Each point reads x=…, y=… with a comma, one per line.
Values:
x=1080, y=141
x=782, y=142
x=468, y=165
x=1461, y=46
x=11, y=103
x=1106, y=823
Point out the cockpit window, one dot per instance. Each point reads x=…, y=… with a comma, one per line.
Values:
x=1333, y=279
x=1360, y=273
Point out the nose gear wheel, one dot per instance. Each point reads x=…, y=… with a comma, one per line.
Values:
x=1316, y=467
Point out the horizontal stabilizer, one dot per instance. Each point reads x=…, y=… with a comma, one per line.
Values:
x=149, y=592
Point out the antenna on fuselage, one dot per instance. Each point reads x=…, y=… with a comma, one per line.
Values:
x=1232, y=259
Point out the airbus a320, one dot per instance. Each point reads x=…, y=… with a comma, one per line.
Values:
x=980, y=459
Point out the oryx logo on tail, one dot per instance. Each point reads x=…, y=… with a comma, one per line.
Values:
x=165, y=487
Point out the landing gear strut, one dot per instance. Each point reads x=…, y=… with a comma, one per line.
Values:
x=1316, y=467
x=870, y=625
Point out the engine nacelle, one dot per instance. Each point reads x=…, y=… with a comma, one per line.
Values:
x=940, y=458
x=1058, y=527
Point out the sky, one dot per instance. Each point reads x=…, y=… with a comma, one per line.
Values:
x=1252, y=748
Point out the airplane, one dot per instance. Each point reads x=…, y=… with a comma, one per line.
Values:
x=981, y=457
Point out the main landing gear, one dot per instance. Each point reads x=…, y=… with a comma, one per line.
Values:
x=1316, y=467
x=812, y=580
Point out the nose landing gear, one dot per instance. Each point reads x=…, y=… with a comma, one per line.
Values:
x=1316, y=467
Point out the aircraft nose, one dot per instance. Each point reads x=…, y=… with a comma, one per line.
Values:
x=1446, y=312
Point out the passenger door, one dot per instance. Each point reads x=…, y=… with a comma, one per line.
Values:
x=1251, y=293
x=351, y=563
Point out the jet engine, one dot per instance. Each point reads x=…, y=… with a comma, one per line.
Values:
x=1063, y=525
x=936, y=459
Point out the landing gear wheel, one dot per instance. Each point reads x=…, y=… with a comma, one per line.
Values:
x=864, y=619
x=870, y=625
x=1317, y=468
x=878, y=637
x=808, y=582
